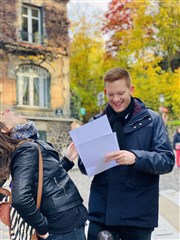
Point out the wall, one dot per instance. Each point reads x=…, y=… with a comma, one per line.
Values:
x=52, y=55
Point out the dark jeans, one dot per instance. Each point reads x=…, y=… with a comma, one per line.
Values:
x=119, y=232
x=76, y=234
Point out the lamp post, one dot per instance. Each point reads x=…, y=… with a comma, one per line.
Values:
x=163, y=109
x=100, y=100
x=161, y=98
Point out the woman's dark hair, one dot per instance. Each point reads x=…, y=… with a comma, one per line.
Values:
x=7, y=146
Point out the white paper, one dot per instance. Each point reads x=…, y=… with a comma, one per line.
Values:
x=93, y=141
x=91, y=130
x=93, y=153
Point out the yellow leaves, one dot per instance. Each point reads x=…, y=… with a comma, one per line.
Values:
x=150, y=81
x=31, y=58
x=21, y=57
x=142, y=48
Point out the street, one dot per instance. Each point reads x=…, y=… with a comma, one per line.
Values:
x=169, y=204
x=169, y=224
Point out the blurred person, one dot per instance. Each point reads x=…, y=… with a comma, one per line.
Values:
x=62, y=214
x=176, y=145
x=176, y=138
x=124, y=199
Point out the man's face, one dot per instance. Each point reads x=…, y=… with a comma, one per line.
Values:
x=10, y=119
x=118, y=94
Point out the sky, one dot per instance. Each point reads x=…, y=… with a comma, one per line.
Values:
x=102, y=4
x=88, y=8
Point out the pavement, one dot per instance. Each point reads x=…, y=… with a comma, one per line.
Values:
x=169, y=202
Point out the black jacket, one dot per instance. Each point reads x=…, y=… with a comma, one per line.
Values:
x=59, y=192
x=128, y=195
x=176, y=139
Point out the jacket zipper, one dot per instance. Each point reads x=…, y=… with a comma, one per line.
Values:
x=61, y=186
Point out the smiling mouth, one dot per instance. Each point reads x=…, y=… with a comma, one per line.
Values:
x=118, y=104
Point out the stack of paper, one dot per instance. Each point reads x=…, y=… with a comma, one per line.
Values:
x=93, y=141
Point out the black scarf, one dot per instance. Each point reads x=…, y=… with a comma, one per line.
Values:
x=118, y=120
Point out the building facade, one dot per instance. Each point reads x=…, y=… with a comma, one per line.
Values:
x=34, y=65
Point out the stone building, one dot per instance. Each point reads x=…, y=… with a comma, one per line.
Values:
x=34, y=65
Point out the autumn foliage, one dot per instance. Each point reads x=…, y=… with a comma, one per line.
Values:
x=143, y=37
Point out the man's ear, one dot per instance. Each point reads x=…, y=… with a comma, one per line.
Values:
x=105, y=91
x=132, y=89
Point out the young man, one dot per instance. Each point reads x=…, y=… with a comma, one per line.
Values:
x=124, y=199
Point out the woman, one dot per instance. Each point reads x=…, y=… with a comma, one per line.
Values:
x=176, y=146
x=62, y=214
x=176, y=138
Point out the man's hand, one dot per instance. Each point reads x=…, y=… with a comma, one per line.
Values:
x=122, y=157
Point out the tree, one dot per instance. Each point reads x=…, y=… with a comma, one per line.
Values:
x=154, y=23
x=139, y=46
x=167, y=22
x=142, y=47
x=118, y=18
x=86, y=61
x=75, y=105
x=150, y=81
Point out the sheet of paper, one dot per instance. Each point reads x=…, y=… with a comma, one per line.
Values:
x=93, y=140
x=93, y=153
x=91, y=130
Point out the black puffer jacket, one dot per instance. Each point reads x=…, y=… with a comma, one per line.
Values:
x=59, y=192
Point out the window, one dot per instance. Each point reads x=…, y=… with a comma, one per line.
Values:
x=31, y=29
x=33, y=83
